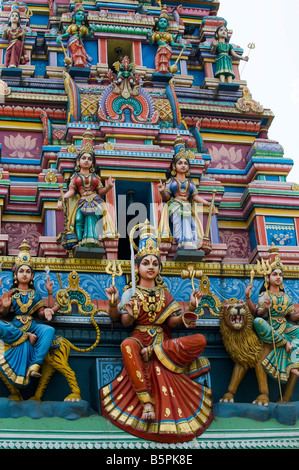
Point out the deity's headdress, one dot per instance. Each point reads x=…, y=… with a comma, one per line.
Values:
x=148, y=240
x=78, y=7
x=15, y=7
x=24, y=256
x=274, y=261
x=180, y=150
x=87, y=142
x=164, y=12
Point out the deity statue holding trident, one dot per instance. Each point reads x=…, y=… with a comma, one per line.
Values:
x=274, y=314
x=156, y=396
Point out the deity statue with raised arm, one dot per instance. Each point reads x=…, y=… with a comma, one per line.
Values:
x=180, y=216
x=156, y=395
x=89, y=208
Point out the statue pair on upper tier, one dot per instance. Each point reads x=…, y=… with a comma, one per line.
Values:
x=15, y=54
x=180, y=217
x=156, y=396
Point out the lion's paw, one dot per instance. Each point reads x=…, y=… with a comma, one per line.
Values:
x=261, y=400
x=227, y=398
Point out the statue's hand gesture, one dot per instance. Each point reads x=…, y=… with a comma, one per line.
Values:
x=161, y=187
x=6, y=299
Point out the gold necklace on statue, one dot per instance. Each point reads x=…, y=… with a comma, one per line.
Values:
x=152, y=300
x=24, y=307
x=279, y=308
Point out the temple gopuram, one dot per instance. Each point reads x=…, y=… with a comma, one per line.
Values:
x=149, y=235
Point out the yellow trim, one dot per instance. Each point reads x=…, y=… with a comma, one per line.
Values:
x=20, y=218
x=216, y=138
x=129, y=174
x=130, y=136
x=21, y=125
x=264, y=211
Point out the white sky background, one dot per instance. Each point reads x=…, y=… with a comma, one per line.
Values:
x=272, y=73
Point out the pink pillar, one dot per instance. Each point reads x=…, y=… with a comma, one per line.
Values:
x=137, y=54
x=102, y=51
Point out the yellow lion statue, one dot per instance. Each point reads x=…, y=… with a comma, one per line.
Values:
x=244, y=347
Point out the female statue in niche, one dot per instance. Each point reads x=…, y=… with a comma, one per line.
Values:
x=156, y=396
x=76, y=32
x=15, y=54
x=180, y=218
x=90, y=208
x=224, y=51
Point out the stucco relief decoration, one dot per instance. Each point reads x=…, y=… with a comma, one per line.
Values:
x=238, y=245
x=227, y=157
x=18, y=145
x=17, y=232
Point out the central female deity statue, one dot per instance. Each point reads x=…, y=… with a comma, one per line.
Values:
x=156, y=396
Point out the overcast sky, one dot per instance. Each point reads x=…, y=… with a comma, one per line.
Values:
x=272, y=73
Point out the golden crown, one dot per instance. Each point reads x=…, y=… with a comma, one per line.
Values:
x=164, y=12
x=180, y=151
x=148, y=240
x=274, y=260
x=24, y=256
x=87, y=142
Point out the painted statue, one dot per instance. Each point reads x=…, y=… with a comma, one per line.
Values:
x=224, y=52
x=75, y=33
x=164, y=40
x=180, y=215
x=15, y=54
x=275, y=314
x=25, y=342
x=90, y=209
x=155, y=396
x=244, y=347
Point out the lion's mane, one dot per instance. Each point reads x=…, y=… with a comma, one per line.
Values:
x=243, y=345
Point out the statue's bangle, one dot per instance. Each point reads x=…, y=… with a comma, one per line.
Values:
x=248, y=296
x=113, y=304
x=192, y=307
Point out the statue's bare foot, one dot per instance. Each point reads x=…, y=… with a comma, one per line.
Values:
x=146, y=353
x=34, y=373
x=32, y=338
x=148, y=412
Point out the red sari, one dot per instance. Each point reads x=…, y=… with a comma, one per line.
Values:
x=15, y=52
x=183, y=408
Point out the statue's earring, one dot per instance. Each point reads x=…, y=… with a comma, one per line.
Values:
x=188, y=173
x=92, y=170
x=77, y=168
x=173, y=171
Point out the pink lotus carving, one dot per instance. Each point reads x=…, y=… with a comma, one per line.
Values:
x=21, y=146
x=226, y=158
